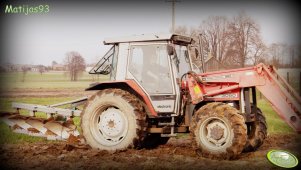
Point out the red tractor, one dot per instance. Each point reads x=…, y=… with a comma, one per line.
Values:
x=156, y=92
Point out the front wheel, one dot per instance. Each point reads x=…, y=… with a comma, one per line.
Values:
x=113, y=119
x=219, y=131
x=257, y=132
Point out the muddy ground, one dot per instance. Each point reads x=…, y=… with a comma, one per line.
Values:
x=176, y=154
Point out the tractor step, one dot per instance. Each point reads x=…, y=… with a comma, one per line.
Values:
x=172, y=128
x=166, y=124
x=172, y=123
x=169, y=135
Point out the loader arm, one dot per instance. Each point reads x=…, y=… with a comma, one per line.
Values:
x=228, y=85
x=284, y=99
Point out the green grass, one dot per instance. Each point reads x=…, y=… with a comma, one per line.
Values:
x=5, y=103
x=47, y=80
x=274, y=122
x=7, y=136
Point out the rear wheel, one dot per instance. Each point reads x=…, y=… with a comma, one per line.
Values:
x=113, y=119
x=257, y=132
x=218, y=131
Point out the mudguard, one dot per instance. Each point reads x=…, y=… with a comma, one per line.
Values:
x=130, y=86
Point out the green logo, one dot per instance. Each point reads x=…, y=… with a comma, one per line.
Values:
x=283, y=159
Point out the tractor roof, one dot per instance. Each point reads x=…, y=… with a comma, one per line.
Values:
x=148, y=37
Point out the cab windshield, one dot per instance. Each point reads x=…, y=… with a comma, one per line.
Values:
x=182, y=59
x=107, y=64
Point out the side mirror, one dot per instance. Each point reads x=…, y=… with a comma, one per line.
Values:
x=196, y=53
x=170, y=49
x=186, y=56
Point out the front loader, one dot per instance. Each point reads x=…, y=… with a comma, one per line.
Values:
x=155, y=92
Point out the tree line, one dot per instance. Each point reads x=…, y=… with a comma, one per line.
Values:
x=237, y=42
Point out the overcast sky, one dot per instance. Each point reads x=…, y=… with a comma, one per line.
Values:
x=43, y=38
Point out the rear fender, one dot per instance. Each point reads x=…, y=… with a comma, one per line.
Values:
x=130, y=86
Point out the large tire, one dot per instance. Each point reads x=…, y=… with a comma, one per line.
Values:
x=257, y=132
x=114, y=119
x=153, y=140
x=218, y=131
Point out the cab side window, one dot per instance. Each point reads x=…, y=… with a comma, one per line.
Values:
x=150, y=67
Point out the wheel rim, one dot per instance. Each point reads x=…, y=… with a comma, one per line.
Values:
x=215, y=134
x=110, y=126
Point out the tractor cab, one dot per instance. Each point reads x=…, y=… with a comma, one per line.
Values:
x=155, y=62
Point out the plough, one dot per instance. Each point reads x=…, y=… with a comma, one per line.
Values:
x=57, y=125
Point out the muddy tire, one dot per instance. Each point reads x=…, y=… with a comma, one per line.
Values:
x=257, y=132
x=112, y=120
x=218, y=131
x=153, y=140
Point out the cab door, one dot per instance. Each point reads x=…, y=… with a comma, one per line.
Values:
x=181, y=64
x=150, y=66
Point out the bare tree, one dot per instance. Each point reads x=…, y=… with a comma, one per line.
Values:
x=274, y=54
x=25, y=69
x=292, y=55
x=215, y=36
x=258, y=51
x=243, y=30
x=41, y=69
x=235, y=42
x=283, y=55
x=75, y=64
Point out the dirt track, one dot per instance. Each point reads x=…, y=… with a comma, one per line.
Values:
x=177, y=154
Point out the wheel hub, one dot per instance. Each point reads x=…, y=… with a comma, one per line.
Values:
x=216, y=133
x=112, y=125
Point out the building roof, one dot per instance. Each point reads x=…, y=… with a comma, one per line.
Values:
x=143, y=37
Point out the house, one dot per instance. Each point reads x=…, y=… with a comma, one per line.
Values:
x=212, y=64
x=58, y=67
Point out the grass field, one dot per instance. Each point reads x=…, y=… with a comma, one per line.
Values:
x=47, y=80
x=59, y=80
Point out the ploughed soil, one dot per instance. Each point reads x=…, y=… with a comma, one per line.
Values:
x=176, y=154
